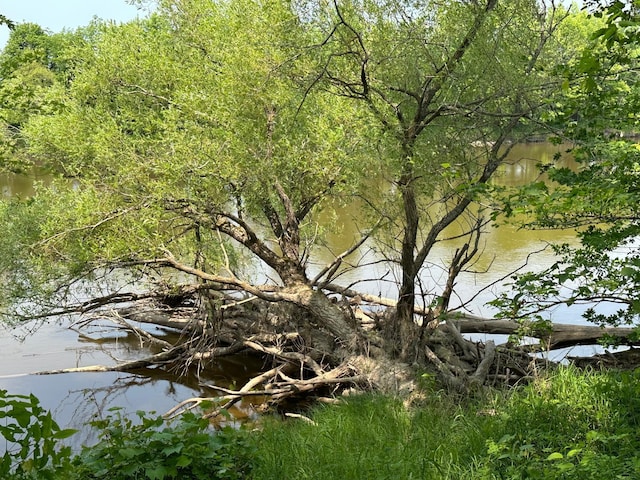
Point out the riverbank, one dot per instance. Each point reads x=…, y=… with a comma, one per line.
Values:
x=570, y=425
x=567, y=424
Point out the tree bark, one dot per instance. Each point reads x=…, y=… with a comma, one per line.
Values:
x=561, y=335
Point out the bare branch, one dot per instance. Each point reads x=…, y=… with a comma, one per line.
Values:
x=331, y=269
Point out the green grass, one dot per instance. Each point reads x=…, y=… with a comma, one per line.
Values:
x=568, y=425
x=368, y=437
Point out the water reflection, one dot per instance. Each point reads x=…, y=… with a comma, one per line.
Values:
x=75, y=399
x=78, y=398
x=13, y=185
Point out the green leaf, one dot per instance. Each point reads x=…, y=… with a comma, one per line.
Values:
x=555, y=456
x=589, y=63
x=173, y=448
x=565, y=466
x=62, y=434
x=22, y=416
x=628, y=272
x=183, y=461
x=573, y=452
x=156, y=473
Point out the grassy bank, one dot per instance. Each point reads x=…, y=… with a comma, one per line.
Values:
x=569, y=425
x=566, y=425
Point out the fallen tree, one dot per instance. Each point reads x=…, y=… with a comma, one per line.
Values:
x=302, y=372
x=552, y=336
x=207, y=145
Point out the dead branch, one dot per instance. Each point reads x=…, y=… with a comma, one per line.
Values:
x=141, y=334
x=301, y=417
x=446, y=375
x=191, y=403
x=159, y=358
x=482, y=371
x=463, y=343
x=288, y=356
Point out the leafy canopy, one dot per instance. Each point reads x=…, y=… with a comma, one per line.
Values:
x=169, y=121
x=600, y=197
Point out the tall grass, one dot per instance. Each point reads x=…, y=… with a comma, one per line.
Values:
x=567, y=425
x=369, y=437
x=570, y=424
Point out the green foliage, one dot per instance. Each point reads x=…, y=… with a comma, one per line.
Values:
x=621, y=24
x=8, y=22
x=31, y=225
x=34, y=67
x=598, y=197
x=28, y=43
x=31, y=440
x=170, y=121
x=598, y=93
x=443, y=83
x=149, y=449
x=246, y=112
x=569, y=425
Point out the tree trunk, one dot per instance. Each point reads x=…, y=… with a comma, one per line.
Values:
x=405, y=334
x=324, y=313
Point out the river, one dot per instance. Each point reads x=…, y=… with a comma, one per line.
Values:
x=76, y=398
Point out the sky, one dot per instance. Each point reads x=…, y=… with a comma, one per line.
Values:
x=55, y=15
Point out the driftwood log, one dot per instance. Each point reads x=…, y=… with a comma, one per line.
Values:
x=560, y=336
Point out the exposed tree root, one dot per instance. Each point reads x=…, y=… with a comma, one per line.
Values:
x=277, y=388
x=308, y=362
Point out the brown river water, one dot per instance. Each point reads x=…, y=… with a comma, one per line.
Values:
x=76, y=398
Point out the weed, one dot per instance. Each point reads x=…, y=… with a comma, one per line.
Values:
x=31, y=448
x=150, y=449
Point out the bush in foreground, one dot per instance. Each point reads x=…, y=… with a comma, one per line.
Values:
x=31, y=440
x=149, y=449
x=187, y=449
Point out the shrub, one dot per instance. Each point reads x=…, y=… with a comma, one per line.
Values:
x=186, y=449
x=32, y=448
